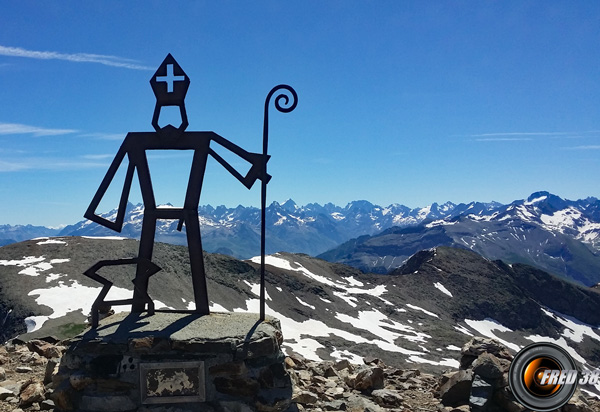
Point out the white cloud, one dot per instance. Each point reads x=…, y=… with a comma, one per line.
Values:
x=113, y=61
x=15, y=128
x=510, y=136
x=503, y=139
x=587, y=147
x=524, y=134
x=105, y=136
x=98, y=156
x=36, y=163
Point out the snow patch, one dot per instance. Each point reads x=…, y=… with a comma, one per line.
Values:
x=353, y=282
x=560, y=342
x=442, y=288
x=303, y=303
x=215, y=307
x=441, y=222
x=255, y=288
x=105, y=237
x=345, y=354
x=445, y=362
x=64, y=298
x=487, y=327
x=379, y=325
x=26, y=261
x=574, y=328
x=422, y=310
x=536, y=200
x=52, y=242
x=464, y=330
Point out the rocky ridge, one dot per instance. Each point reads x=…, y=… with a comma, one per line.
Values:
x=418, y=317
x=28, y=379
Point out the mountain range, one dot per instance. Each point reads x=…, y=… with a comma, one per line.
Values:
x=560, y=236
x=557, y=235
x=310, y=229
x=418, y=315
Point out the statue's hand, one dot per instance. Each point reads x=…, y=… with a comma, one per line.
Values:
x=258, y=170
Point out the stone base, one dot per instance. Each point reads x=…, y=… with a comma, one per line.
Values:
x=175, y=362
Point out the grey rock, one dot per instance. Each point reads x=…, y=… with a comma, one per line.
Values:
x=32, y=393
x=47, y=405
x=387, y=397
x=12, y=386
x=478, y=345
x=367, y=379
x=457, y=389
x=6, y=393
x=305, y=397
x=577, y=403
x=108, y=403
x=481, y=393
x=51, y=369
x=336, y=405
x=79, y=380
x=489, y=366
x=23, y=369
x=343, y=364
x=336, y=392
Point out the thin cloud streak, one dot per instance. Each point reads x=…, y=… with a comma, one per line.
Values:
x=105, y=136
x=98, y=156
x=559, y=134
x=16, y=128
x=113, y=61
x=587, y=147
x=504, y=139
x=29, y=164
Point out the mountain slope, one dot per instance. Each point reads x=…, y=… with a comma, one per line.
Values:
x=553, y=234
x=419, y=315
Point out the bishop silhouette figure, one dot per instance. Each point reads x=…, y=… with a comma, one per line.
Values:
x=170, y=85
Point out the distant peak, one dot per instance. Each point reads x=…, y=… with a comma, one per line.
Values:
x=289, y=205
x=359, y=204
x=539, y=196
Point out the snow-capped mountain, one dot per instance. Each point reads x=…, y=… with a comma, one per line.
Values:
x=543, y=230
x=418, y=316
x=17, y=233
x=310, y=229
x=557, y=235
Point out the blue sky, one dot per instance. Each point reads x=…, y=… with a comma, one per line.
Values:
x=399, y=102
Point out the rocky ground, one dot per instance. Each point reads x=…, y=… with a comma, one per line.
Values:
x=27, y=370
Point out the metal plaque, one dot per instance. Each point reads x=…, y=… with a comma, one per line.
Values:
x=172, y=382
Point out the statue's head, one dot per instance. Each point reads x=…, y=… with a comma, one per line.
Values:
x=170, y=85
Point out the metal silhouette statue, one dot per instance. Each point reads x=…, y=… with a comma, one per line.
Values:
x=170, y=85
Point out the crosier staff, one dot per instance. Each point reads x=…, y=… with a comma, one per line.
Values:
x=285, y=108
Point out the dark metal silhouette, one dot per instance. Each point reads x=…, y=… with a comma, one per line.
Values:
x=145, y=269
x=286, y=108
x=170, y=85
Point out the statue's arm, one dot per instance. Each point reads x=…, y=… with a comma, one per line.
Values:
x=258, y=170
x=90, y=213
